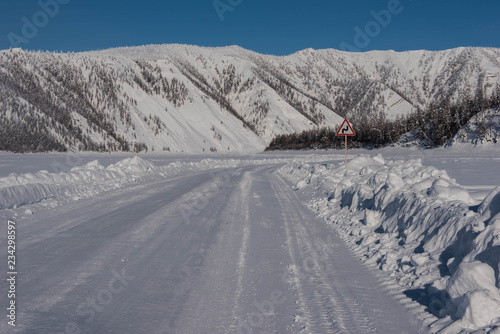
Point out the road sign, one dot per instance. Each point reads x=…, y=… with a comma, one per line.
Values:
x=345, y=129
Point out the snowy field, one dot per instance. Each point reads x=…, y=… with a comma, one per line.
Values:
x=474, y=168
x=402, y=241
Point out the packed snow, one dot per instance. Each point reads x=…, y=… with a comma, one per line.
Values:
x=89, y=180
x=420, y=227
x=437, y=240
x=17, y=190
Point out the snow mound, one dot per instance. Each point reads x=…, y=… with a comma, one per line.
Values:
x=18, y=190
x=133, y=166
x=491, y=204
x=83, y=181
x=418, y=226
x=469, y=277
x=477, y=300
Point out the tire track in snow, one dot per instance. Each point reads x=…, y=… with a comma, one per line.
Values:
x=204, y=276
x=131, y=234
x=325, y=311
x=213, y=303
x=336, y=293
x=136, y=234
x=245, y=186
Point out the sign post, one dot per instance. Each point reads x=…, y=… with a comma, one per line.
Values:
x=345, y=130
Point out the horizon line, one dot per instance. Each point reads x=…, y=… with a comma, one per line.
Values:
x=238, y=46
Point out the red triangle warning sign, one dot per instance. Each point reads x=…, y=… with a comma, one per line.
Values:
x=345, y=129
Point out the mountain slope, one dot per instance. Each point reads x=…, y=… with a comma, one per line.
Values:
x=194, y=99
x=483, y=128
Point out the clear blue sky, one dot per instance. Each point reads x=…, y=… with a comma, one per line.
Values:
x=267, y=26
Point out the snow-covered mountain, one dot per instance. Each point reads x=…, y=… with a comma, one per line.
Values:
x=194, y=99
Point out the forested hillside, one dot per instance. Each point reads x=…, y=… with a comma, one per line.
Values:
x=182, y=98
x=440, y=124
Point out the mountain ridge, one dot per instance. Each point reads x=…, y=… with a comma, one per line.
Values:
x=186, y=98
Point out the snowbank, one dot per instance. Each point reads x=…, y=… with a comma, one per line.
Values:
x=18, y=190
x=420, y=227
x=84, y=181
x=21, y=189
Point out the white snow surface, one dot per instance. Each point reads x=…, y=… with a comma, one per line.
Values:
x=413, y=223
x=420, y=227
x=92, y=178
x=202, y=247
x=21, y=189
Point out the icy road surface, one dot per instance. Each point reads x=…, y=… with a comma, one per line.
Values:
x=230, y=251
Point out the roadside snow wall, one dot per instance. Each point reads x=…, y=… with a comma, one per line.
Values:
x=23, y=189
x=17, y=190
x=418, y=225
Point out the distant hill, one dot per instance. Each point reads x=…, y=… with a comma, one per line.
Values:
x=183, y=98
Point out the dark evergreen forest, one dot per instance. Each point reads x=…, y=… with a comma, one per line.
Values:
x=433, y=127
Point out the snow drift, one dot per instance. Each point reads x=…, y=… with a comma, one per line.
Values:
x=91, y=179
x=82, y=181
x=420, y=227
x=18, y=190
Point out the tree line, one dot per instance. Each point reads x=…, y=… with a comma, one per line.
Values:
x=432, y=127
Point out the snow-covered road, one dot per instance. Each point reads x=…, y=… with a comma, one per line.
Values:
x=227, y=251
